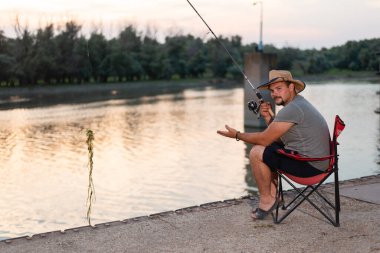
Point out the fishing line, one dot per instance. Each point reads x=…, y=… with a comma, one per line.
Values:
x=252, y=105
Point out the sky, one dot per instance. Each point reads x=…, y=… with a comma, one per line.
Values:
x=304, y=24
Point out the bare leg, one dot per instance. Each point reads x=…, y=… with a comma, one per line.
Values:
x=263, y=176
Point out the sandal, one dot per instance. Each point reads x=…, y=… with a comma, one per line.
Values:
x=260, y=214
x=280, y=203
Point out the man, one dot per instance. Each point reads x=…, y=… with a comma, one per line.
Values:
x=297, y=127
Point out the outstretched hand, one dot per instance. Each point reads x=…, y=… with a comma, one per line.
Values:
x=231, y=132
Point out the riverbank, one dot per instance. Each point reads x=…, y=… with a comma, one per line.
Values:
x=343, y=76
x=226, y=226
x=28, y=97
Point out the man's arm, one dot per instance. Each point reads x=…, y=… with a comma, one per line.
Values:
x=273, y=132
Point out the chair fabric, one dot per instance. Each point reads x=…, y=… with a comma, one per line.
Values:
x=312, y=183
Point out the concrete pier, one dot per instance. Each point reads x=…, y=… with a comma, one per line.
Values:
x=226, y=226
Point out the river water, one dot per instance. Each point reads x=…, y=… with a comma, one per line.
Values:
x=152, y=153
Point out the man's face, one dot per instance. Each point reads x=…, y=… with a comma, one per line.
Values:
x=281, y=92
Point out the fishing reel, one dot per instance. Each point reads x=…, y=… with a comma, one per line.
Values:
x=254, y=107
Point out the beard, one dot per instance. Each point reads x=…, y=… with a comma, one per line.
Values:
x=279, y=101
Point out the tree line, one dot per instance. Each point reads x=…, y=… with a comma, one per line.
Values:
x=47, y=56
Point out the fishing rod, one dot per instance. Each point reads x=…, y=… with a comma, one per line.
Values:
x=252, y=105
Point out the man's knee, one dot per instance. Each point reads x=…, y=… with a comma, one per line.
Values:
x=256, y=153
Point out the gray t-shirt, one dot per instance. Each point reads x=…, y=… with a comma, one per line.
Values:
x=309, y=135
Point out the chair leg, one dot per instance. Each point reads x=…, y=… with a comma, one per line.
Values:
x=337, y=197
x=281, y=192
x=279, y=195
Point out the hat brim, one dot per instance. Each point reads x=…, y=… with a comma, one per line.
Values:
x=299, y=85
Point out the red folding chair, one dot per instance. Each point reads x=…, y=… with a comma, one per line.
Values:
x=312, y=183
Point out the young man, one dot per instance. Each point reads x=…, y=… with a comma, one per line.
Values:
x=297, y=127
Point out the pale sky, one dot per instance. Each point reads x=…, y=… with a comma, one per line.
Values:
x=296, y=23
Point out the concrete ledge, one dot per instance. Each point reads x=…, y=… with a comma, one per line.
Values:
x=223, y=226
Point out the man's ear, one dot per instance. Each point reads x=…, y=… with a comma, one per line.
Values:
x=292, y=87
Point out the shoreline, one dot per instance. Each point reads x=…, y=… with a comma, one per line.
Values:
x=30, y=97
x=36, y=96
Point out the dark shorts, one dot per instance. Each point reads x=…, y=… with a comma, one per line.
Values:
x=276, y=161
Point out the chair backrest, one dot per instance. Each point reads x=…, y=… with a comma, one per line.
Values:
x=338, y=127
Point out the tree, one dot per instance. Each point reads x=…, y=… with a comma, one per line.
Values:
x=196, y=57
x=81, y=68
x=317, y=63
x=151, y=58
x=235, y=49
x=6, y=60
x=23, y=53
x=97, y=53
x=128, y=47
x=175, y=52
x=45, y=56
x=65, y=57
x=218, y=60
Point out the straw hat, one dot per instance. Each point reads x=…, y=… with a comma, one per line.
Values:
x=282, y=75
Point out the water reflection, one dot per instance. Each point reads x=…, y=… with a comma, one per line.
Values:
x=152, y=153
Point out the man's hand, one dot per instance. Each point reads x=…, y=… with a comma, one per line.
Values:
x=266, y=111
x=231, y=132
